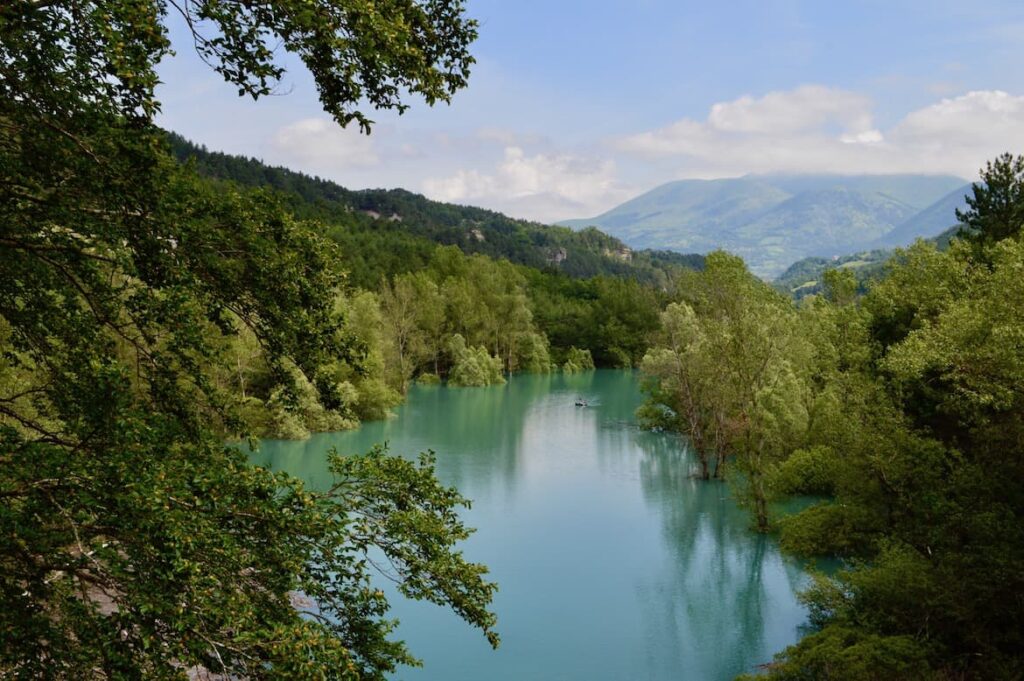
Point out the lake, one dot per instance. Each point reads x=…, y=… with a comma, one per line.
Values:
x=612, y=562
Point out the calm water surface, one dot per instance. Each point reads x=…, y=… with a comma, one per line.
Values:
x=612, y=563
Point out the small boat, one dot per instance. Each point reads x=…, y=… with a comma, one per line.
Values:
x=580, y=402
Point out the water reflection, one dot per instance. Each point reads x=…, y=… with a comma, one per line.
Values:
x=718, y=565
x=613, y=562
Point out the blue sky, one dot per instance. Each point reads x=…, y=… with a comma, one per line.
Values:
x=574, y=106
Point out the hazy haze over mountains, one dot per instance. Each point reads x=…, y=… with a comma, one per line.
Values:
x=775, y=220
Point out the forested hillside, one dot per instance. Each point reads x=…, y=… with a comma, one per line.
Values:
x=394, y=230
x=807, y=276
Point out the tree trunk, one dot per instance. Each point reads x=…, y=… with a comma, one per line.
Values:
x=760, y=503
x=720, y=465
x=762, y=514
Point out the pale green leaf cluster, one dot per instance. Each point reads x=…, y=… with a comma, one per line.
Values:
x=578, y=360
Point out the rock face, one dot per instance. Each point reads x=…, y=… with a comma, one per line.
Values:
x=558, y=256
x=625, y=254
x=775, y=220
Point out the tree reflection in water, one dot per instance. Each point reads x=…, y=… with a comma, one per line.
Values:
x=719, y=566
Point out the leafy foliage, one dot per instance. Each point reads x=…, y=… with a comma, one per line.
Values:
x=375, y=53
x=136, y=301
x=578, y=360
x=472, y=366
x=728, y=373
x=901, y=410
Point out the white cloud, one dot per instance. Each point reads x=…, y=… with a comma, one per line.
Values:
x=811, y=129
x=542, y=186
x=819, y=129
x=806, y=107
x=979, y=117
x=321, y=145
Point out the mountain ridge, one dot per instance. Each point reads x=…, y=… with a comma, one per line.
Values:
x=774, y=220
x=403, y=226
x=929, y=222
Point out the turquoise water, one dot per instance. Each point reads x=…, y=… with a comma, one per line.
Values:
x=613, y=563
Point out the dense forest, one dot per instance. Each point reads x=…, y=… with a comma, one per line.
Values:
x=806, y=277
x=900, y=411
x=438, y=292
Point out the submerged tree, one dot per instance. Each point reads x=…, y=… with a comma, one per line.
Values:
x=132, y=542
x=729, y=373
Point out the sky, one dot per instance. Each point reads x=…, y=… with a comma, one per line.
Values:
x=575, y=106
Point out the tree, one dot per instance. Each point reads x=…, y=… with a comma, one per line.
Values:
x=916, y=450
x=430, y=318
x=679, y=386
x=400, y=302
x=372, y=395
x=133, y=543
x=472, y=366
x=577, y=360
x=996, y=207
x=730, y=374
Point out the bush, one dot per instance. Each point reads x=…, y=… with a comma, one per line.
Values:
x=473, y=366
x=578, y=360
x=534, y=357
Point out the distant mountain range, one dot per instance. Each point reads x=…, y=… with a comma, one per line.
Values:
x=774, y=220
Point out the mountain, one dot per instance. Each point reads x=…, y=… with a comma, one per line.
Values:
x=717, y=205
x=774, y=220
x=394, y=230
x=819, y=221
x=929, y=222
